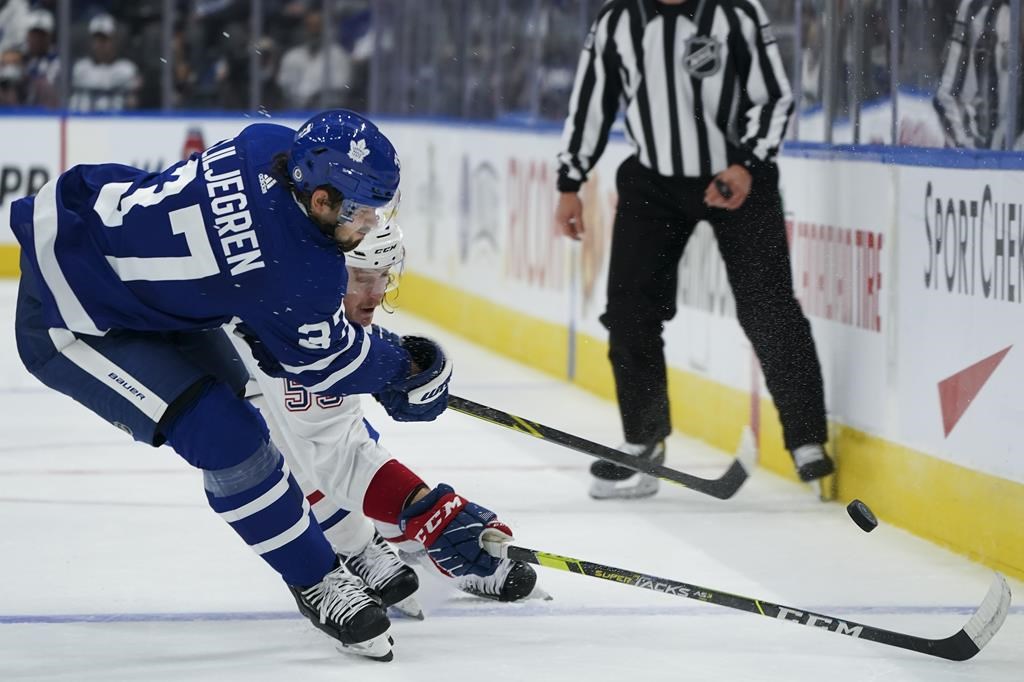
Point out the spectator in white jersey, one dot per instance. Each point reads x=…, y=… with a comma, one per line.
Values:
x=103, y=81
x=42, y=65
x=301, y=75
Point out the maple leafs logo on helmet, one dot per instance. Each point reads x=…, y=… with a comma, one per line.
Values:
x=344, y=150
x=357, y=150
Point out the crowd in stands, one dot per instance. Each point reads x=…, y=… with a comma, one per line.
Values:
x=118, y=55
x=475, y=59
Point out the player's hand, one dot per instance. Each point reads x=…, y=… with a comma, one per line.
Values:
x=453, y=530
x=569, y=215
x=735, y=181
x=423, y=396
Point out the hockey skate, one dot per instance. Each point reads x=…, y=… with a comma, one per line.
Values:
x=612, y=481
x=511, y=581
x=341, y=606
x=812, y=462
x=383, y=572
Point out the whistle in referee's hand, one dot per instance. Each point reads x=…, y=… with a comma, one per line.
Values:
x=723, y=188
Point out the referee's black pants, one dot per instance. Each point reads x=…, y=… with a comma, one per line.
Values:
x=655, y=217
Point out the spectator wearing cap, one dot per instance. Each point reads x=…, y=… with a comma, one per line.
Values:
x=103, y=81
x=42, y=65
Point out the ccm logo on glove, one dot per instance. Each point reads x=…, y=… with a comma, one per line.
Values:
x=449, y=506
x=452, y=530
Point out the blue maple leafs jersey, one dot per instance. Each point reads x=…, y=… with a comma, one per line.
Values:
x=210, y=239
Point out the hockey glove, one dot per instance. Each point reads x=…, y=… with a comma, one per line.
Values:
x=453, y=531
x=422, y=396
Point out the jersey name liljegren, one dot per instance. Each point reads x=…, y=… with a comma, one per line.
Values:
x=233, y=220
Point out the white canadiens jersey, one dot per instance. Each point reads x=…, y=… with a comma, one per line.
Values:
x=329, y=447
x=102, y=87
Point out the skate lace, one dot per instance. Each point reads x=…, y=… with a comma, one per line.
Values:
x=338, y=596
x=375, y=564
x=490, y=584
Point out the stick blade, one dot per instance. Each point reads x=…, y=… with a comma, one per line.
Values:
x=982, y=626
x=989, y=617
x=739, y=471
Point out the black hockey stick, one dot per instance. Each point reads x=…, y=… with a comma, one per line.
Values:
x=723, y=487
x=971, y=638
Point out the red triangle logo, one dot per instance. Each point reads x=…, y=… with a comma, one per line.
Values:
x=957, y=392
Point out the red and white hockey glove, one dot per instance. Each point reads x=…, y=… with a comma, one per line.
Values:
x=454, y=530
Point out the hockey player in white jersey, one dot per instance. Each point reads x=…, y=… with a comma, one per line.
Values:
x=334, y=454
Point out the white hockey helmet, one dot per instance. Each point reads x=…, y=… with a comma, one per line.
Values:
x=381, y=248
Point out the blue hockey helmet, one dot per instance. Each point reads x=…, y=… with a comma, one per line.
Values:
x=346, y=151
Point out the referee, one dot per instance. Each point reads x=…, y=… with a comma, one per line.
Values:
x=706, y=105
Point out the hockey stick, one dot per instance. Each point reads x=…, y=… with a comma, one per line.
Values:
x=970, y=639
x=723, y=487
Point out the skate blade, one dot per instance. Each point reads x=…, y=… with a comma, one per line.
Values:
x=539, y=593
x=378, y=648
x=409, y=608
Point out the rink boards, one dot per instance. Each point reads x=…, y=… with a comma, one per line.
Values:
x=909, y=266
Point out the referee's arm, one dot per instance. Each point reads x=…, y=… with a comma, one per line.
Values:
x=766, y=101
x=593, y=106
x=765, y=106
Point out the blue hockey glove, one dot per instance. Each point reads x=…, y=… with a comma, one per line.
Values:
x=453, y=530
x=422, y=396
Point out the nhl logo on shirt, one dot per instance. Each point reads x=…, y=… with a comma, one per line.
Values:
x=702, y=56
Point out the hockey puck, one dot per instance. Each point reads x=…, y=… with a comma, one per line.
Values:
x=862, y=516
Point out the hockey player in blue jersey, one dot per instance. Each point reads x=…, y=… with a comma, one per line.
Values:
x=127, y=277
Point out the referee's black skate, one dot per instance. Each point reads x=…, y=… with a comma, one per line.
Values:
x=344, y=608
x=383, y=572
x=612, y=481
x=511, y=581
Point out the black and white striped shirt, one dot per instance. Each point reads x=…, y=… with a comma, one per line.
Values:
x=969, y=95
x=702, y=84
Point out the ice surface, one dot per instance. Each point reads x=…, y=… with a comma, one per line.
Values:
x=113, y=568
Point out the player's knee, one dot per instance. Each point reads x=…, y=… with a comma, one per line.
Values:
x=216, y=429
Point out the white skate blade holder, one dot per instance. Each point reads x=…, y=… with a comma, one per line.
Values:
x=409, y=607
x=377, y=648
